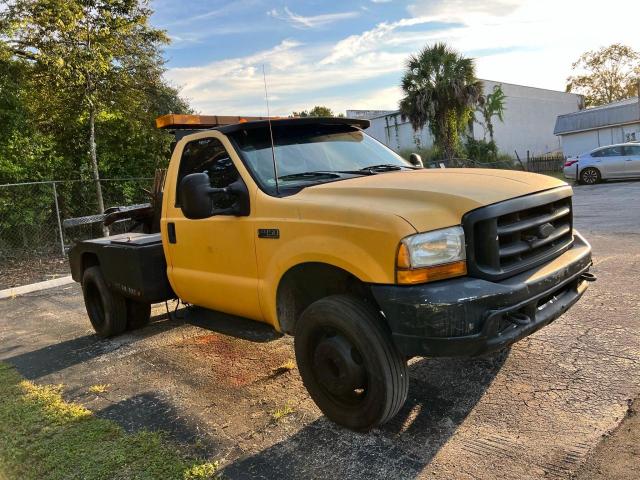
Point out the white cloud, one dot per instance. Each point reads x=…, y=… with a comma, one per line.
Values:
x=455, y=10
x=531, y=43
x=300, y=21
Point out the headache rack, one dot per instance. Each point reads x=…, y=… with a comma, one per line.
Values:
x=510, y=237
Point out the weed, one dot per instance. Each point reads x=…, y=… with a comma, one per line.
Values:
x=285, y=367
x=101, y=388
x=280, y=413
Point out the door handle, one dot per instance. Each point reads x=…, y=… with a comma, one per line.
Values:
x=171, y=232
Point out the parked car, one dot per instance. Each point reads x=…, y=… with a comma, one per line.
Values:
x=605, y=163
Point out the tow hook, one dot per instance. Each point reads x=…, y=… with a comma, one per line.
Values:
x=518, y=318
x=588, y=277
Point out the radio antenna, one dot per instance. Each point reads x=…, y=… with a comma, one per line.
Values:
x=273, y=150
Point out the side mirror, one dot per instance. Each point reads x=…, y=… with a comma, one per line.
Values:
x=196, y=197
x=416, y=160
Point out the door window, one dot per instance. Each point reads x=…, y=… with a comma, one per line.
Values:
x=612, y=152
x=208, y=155
x=632, y=150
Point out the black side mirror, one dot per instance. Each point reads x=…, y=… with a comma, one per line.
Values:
x=196, y=197
x=416, y=160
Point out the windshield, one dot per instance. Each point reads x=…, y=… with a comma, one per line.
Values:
x=311, y=154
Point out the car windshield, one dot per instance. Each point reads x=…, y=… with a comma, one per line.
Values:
x=310, y=154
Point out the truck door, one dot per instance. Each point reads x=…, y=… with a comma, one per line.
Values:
x=212, y=260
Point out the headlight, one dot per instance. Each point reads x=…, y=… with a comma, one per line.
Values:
x=430, y=256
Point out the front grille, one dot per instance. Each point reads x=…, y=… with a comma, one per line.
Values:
x=513, y=236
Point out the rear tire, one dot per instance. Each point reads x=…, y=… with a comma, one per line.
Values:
x=107, y=310
x=590, y=176
x=349, y=364
x=138, y=314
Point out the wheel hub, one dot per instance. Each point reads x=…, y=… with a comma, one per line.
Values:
x=338, y=366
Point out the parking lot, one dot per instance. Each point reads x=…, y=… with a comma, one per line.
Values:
x=224, y=387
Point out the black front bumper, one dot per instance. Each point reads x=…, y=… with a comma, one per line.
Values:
x=469, y=316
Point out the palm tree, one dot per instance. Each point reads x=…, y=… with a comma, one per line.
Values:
x=441, y=90
x=492, y=105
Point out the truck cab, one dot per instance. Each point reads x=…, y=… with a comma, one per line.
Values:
x=317, y=229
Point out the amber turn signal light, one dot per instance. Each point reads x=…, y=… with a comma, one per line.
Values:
x=430, y=274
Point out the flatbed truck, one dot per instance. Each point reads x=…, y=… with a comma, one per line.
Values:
x=317, y=229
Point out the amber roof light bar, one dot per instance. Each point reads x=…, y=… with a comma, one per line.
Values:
x=174, y=121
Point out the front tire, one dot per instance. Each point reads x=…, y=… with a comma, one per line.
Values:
x=107, y=310
x=590, y=176
x=349, y=364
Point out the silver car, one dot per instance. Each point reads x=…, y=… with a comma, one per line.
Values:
x=613, y=162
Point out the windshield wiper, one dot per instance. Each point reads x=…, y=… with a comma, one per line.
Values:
x=309, y=176
x=324, y=174
x=384, y=167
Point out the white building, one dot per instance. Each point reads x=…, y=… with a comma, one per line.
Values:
x=615, y=122
x=529, y=117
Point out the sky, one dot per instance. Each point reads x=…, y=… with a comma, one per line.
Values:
x=350, y=54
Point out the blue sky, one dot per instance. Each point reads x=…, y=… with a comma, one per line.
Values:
x=350, y=54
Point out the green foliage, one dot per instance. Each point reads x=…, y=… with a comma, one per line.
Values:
x=484, y=153
x=42, y=436
x=69, y=68
x=441, y=90
x=428, y=154
x=82, y=62
x=489, y=106
x=606, y=75
x=317, y=111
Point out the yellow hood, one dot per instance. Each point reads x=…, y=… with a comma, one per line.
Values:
x=431, y=198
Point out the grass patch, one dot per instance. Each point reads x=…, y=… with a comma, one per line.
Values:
x=44, y=437
x=282, y=412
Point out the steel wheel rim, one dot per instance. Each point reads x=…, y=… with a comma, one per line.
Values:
x=339, y=368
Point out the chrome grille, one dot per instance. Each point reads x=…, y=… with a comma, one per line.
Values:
x=512, y=236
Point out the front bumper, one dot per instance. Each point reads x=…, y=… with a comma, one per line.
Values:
x=469, y=316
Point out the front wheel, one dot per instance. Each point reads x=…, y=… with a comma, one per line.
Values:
x=590, y=176
x=349, y=364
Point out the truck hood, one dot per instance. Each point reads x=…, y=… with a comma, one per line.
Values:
x=431, y=198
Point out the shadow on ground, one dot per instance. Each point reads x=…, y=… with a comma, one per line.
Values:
x=237, y=327
x=153, y=412
x=442, y=393
x=54, y=358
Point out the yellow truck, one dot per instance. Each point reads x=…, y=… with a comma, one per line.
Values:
x=317, y=229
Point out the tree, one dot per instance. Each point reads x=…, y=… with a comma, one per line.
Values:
x=317, y=111
x=441, y=90
x=85, y=57
x=606, y=75
x=489, y=106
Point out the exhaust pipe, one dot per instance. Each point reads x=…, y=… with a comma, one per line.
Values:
x=588, y=277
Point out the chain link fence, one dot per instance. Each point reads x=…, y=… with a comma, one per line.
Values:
x=33, y=240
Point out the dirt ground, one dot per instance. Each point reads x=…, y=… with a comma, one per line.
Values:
x=32, y=270
x=222, y=386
